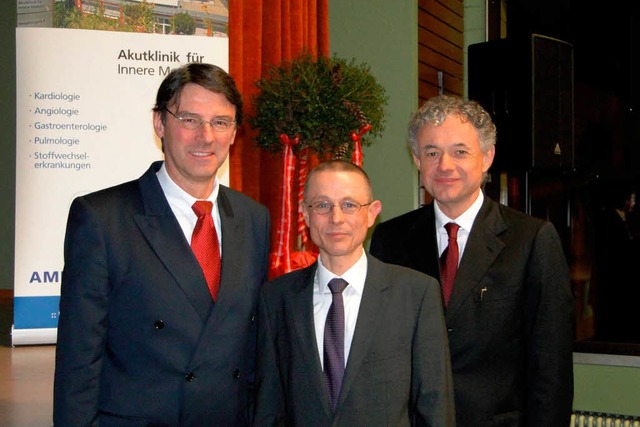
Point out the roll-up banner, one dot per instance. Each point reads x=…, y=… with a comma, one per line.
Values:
x=84, y=102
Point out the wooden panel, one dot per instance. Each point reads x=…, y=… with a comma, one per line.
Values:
x=430, y=40
x=440, y=47
x=426, y=91
x=429, y=22
x=438, y=61
x=429, y=75
x=442, y=12
x=457, y=6
x=432, y=6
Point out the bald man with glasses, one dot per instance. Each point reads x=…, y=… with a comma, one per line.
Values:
x=351, y=341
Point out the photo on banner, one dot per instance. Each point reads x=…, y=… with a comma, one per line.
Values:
x=84, y=103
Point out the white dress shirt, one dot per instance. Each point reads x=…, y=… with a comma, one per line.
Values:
x=181, y=204
x=352, y=295
x=465, y=221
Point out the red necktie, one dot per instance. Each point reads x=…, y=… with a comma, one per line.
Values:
x=449, y=261
x=204, y=242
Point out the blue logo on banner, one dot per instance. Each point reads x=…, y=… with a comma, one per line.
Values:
x=36, y=312
x=45, y=277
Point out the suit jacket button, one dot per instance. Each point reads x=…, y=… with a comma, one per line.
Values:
x=159, y=324
x=189, y=376
x=236, y=373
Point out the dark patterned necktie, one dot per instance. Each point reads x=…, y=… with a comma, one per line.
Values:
x=334, y=342
x=204, y=242
x=449, y=261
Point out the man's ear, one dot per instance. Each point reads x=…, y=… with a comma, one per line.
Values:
x=416, y=161
x=305, y=213
x=374, y=210
x=158, y=125
x=487, y=158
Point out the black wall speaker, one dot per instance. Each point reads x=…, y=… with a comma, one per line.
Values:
x=526, y=85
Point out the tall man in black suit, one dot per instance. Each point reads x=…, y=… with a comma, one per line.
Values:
x=394, y=346
x=510, y=314
x=141, y=340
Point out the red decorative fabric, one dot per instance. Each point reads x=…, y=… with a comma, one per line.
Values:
x=298, y=259
x=260, y=36
x=356, y=155
x=281, y=257
x=303, y=171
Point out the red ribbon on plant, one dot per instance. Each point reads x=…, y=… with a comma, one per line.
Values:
x=356, y=155
x=281, y=260
x=302, y=178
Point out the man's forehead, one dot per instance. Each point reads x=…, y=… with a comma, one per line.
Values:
x=326, y=185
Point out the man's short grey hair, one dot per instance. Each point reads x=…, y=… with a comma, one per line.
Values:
x=437, y=109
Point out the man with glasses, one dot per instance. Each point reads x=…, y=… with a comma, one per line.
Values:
x=349, y=340
x=161, y=278
x=506, y=289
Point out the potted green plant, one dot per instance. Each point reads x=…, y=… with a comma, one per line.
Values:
x=321, y=101
x=325, y=107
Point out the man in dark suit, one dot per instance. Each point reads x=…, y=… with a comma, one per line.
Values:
x=510, y=313
x=394, y=345
x=141, y=339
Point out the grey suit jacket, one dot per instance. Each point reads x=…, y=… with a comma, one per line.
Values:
x=140, y=341
x=397, y=372
x=510, y=317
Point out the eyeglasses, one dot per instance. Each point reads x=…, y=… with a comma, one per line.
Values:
x=347, y=207
x=193, y=121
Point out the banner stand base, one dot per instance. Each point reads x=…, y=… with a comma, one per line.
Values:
x=33, y=336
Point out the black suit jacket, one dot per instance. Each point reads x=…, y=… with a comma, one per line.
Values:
x=510, y=317
x=397, y=373
x=140, y=341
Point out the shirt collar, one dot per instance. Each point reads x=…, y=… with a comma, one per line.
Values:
x=173, y=192
x=465, y=221
x=355, y=275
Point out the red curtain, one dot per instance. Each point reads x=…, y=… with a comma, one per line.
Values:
x=262, y=34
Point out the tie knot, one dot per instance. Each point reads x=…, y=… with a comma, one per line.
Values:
x=452, y=229
x=202, y=207
x=337, y=285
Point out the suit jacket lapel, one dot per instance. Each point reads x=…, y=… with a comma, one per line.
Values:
x=421, y=251
x=160, y=227
x=304, y=330
x=367, y=324
x=232, y=289
x=483, y=246
x=427, y=243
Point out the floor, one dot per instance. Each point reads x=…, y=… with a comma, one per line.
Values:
x=26, y=377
